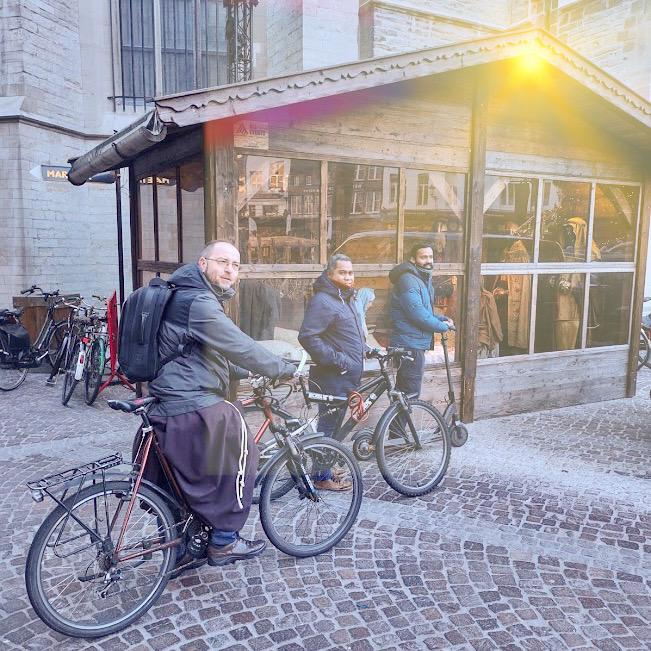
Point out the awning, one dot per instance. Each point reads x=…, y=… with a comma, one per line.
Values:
x=118, y=150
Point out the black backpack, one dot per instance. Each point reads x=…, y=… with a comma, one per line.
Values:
x=142, y=314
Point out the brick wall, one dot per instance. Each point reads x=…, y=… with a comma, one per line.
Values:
x=284, y=37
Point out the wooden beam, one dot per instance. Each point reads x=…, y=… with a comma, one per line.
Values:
x=474, y=232
x=323, y=211
x=638, y=292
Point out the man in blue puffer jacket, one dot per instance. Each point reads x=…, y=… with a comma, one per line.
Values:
x=414, y=321
x=334, y=337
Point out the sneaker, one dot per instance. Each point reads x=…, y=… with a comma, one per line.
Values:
x=240, y=550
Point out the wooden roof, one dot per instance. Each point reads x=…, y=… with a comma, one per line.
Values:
x=247, y=97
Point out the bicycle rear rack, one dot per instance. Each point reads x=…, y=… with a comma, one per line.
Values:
x=40, y=486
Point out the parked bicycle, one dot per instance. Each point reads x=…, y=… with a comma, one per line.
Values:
x=644, y=352
x=17, y=354
x=85, y=354
x=103, y=556
x=411, y=441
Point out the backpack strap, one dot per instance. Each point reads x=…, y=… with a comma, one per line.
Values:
x=185, y=346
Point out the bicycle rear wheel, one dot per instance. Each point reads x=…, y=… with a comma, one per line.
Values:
x=412, y=447
x=55, y=341
x=70, y=366
x=11, y=377
x=303, y=521
x=95, y=370
x=73, y=583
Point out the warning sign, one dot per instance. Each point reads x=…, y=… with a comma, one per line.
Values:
x=250, y=134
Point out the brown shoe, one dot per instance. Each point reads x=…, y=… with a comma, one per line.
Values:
x=240, y=550
x=337, y=483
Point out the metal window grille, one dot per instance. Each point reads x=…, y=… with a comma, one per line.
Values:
x=171, y=46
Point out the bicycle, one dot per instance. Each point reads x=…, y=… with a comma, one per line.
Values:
x=17, y=354
x=644, y=351
x=85, y=354
x=411, y=441
x=115, y=566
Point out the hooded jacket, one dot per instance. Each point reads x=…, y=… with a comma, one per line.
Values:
x=200, y=377
x=412, y=298
x=333, y=336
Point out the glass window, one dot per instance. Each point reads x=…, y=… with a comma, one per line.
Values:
x=372, y=302
x=615, y=221
x=362, y=218
x=509, y=219
x=448, y=291
x=146, y=195
x=168, y=249
x=505, y=314
x=609, y=309
x=273, y=309
x=434, y=211
x=564, y=224
x=192, y=209
x=278, y=222
x=559, y=312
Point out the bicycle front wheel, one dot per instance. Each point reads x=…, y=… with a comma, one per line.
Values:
x=644, y=351
x=11, y=376
x=70, y=366
x=412, y=447
x=95, y=370
x=298, y=519
x=73, y=582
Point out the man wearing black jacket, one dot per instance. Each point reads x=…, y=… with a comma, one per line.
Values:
x=334, y=337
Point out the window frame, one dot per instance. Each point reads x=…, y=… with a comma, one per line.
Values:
x=536, y=268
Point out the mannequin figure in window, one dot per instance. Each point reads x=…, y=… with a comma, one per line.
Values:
x=512, y=294
x=490, y=326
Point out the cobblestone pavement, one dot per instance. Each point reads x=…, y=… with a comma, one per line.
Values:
x=538, y=538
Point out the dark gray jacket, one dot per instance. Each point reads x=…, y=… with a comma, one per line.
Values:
x=200, y=377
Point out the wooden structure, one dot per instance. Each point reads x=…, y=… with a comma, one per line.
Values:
x=524, y=165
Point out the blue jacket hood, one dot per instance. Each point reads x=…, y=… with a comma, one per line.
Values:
x=409, y=268
x=324, y=284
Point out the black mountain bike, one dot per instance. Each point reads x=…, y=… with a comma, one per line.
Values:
x=17, y=354
x=103, y=556
x=411, y=440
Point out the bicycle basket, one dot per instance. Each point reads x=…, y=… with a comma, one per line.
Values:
x=14, y=338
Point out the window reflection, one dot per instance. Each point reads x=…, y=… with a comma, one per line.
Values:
x=146, y=198
x=509, y=219
x=564, y=225
x=615, y=220
x=278, y=210
x=192, y=209
x=505, y=311
x=559, y=312
x=447, y=302
x=167, y=218
x=609, y=309
x=362, y=212
x=434, y=211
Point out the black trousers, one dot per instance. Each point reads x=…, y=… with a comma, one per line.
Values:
x=410, y=374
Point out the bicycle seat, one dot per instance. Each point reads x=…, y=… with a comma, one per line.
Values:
x=129, y=406
x=5, y=313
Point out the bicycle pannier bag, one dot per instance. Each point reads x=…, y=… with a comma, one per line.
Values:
x=14, y=338
x=142, y=314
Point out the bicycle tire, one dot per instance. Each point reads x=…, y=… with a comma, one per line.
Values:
x=11, y=376
x=644, y=352
x=94, y=371
x=69, y=382
x=34, y=576
x=55, y=341
x=382, y=445
x=308, y=449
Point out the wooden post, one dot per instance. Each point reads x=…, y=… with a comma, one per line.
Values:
x=474, y=231
x=638, y=293
x=323, y=215
x=400, y=234
x=134, y=225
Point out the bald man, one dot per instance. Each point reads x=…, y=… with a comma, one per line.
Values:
x=202, y=434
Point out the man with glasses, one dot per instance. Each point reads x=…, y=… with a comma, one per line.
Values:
x=202, y=434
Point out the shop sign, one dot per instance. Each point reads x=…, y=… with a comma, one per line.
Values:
x=60, y=173
x=251, y=134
